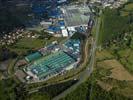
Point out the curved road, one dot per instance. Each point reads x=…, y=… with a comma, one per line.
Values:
x=87, y=72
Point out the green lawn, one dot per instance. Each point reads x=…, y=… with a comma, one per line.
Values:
x=11, y=66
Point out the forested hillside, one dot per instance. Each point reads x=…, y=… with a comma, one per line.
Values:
x=115, y=22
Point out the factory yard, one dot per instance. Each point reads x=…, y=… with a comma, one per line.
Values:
x=49, y=61
x=45, y=48
x=57, y=51
x=51, y=57
x=68, y=20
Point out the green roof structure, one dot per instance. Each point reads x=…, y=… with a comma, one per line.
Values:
x=51, y=64
x=33, y=56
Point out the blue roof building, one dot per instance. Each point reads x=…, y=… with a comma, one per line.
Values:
x=54, y=28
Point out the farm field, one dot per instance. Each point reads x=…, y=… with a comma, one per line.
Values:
x=114, y=74
x=118, y=71
x=102, y=55
x=126, y=58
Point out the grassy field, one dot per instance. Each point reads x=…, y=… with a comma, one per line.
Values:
x=127, y=89
x=127, y=9
x=124, y=13
x=113, y=25
x=117, y=70
x=25, y=44
x=114, y=74
x=90, y=90
x=126, y=58
x=102, y=55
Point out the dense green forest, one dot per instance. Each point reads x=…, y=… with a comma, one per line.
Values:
x=51, y=91
x=97, y=93
x=114, y=24
x=6, y=54
x=8, y=20
x=7, y=89
x=10, y=90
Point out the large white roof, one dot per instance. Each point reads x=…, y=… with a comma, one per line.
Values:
x=64, y=32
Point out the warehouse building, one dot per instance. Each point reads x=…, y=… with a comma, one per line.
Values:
x=33, y=56
x=76, y=15
x=51, y=65
x=73, y=46
x=70, y=19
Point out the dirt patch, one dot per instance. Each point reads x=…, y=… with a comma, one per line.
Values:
x=4, y=65
x=102, y=55
x=117, y=69
x=105, y=86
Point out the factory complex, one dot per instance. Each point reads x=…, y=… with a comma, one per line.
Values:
x=67, y=19
x=61, y=20
x=52, y=60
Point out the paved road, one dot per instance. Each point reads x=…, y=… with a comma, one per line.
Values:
x=87, y=72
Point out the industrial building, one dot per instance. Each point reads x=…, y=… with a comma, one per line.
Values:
x=33, y=56
x=73, y=46
x=76, y=15
x=51, y=65
x=60, y=18
x=69, y=19
x=53, y=59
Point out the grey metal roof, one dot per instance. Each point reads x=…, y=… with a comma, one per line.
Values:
x=76, y=15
